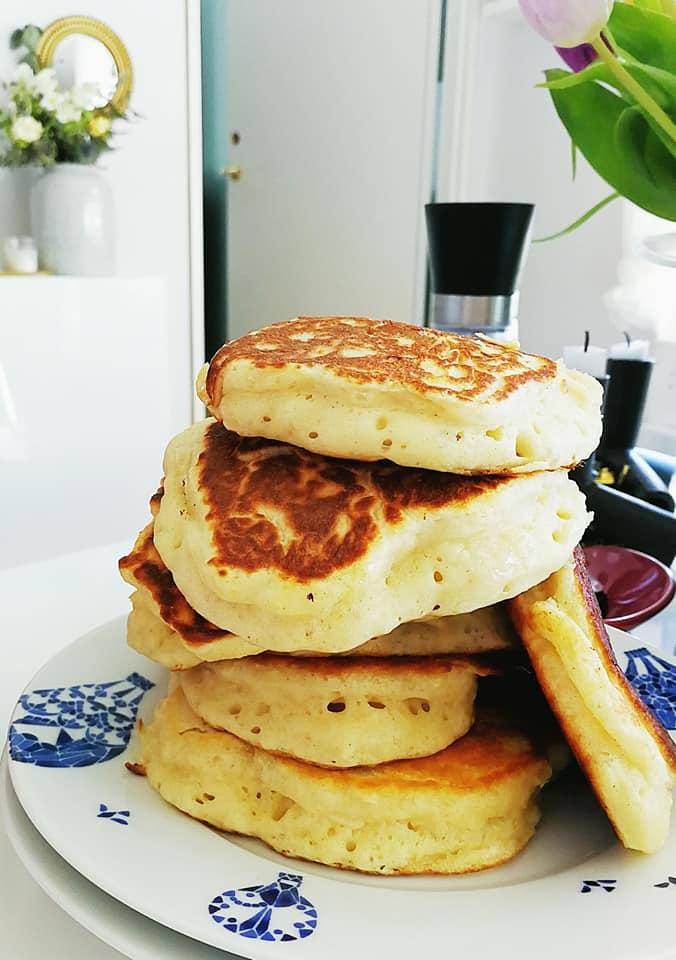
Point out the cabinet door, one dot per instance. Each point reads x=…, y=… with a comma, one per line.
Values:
x=330, y=109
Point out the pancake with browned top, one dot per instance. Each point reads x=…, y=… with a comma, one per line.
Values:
x=144, y=569
x=291, y=551
x=339, y=711
x=628, y=757
x=466, y=808
x=164, y=627
x=370, y=389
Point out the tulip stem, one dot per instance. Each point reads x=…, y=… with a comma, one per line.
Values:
x=632, y=86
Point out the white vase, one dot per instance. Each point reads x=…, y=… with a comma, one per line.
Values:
x=73, y=220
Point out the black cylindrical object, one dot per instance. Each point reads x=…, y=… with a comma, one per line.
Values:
x=627, y=522
x=637, y=478
x=623, y=412
x=663, y=464
x=476, y=253
x=625, y=400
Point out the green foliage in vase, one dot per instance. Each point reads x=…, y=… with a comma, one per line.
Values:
x=41, y=123
x=620, y=108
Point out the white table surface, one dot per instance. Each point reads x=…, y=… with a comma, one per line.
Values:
x=43, y=607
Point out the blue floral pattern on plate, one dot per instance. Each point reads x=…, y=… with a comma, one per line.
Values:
x=116, y=816
x=608, y=885
x=76, y=726
x=654, y=679
x=274, y=911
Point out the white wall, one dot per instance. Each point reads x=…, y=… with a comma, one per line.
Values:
x=520, y=151
x=149, y=170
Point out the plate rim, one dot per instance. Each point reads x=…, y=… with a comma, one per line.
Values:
x=47, y=868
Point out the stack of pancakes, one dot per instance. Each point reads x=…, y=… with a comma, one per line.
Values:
x=335, y=562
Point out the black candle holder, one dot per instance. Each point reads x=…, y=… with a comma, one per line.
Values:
x=623, y=412
x=631, y=503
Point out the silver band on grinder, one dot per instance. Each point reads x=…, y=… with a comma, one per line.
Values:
x=460, y=313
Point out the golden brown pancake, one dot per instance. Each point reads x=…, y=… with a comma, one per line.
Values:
x=629, y=758
x=367, y=389
x=164, y=627
x=143, y=568
x=339, y=711
x=293, y=551
x=466, y=808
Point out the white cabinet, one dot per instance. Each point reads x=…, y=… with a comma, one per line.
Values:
x=85, y=410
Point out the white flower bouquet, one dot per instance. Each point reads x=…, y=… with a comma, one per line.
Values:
x=42, y=124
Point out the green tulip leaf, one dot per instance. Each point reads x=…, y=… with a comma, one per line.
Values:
x=595, y=71
x=624, y=150
x=573, y=159
x=660, y=84
x=16, y=39
x=634, y=138
x=652, y=5
x=580, y=220
x=647, y=36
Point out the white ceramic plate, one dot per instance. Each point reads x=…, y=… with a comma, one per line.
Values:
x=573, y=892
x=130, y=932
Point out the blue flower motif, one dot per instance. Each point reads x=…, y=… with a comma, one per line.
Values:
x=608, y=885
x=76, y=726
x=117, y=816
x=272, y=912
x=654, y=679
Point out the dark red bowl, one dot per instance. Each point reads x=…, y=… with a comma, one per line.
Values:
x=636, y=586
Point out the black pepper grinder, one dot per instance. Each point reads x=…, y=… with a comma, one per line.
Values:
x=476, y=253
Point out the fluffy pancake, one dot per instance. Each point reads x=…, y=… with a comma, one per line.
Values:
x=339, y=711
x=368, y=389
x=164, y=627
x=149, y=635
x=628, y=757
x=468, y=807
x=293, y=551
x=156, y=594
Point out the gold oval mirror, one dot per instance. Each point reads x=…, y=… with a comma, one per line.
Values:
x=84, y=50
